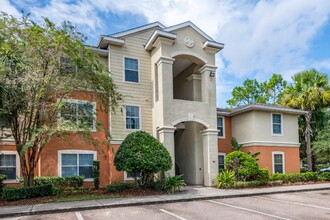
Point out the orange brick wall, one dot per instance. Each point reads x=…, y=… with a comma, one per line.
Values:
x=291, y=157
x=224, y=144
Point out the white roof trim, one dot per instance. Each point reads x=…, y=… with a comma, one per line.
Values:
x=270, y=144
x=105, y=41
x=188, y=23
x=137, y=29
x=213, y=44
x=158, y=33
x=266, y=108
x=99, y=51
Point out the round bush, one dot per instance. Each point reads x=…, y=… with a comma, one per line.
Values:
x=142, y=153
x=245, y=166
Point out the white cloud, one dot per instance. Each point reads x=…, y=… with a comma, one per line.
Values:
x=6, y=7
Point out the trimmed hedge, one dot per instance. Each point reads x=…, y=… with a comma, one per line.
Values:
x=61, y=182
x=324, y=176
x=118, y=187
x=11, y=194
x=96, y=173
x=296, y=177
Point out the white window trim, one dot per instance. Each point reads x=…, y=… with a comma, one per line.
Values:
x=18, y=165
x=127, y=178
x=224, y=157
x=140, y=118
x=59, y=162
x=224, y=127
x=77, y=101
x=273, y=160
x=129, y=57
x=271, y=124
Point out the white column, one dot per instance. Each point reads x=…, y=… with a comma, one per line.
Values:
x=208, y=84
x=166, y=136
x=210, y=156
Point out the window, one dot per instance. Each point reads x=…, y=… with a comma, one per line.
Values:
x=9, y=165
x=77, y=163
x=277, y=124
x=220, y=127
x=221, y=161
x=131, y=70
x=79, y=113
x=278, y=162
x=129, y=176
x=132, y=117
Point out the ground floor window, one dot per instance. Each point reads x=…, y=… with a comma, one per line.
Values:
x=278, y=162
x=129, y=176
x=221, y=161
x=76, y=163
x=9, y=165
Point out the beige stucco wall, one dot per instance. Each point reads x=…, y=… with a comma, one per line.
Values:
x=256, y=126
x=139, y=94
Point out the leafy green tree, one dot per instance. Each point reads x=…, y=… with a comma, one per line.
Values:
x=275, y=87
x=40, y=64
x=310, y=91
x=141, y=153
x=321, y=145
x=252, y=91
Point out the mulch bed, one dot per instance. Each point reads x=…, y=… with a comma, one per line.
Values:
x=127, y=193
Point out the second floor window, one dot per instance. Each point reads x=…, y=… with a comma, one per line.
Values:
x=277, y=124
x=132, y=117
x=131, y=70
x=79, y=113
x=220, y=127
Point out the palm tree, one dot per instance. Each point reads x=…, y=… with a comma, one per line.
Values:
x=310, y=91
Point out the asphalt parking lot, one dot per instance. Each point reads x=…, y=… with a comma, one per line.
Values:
x=300, y=205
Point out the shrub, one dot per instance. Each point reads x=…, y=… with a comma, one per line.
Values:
x=324, y=176
x=96, y=173
x=303, y=169
x=309, y=177
x=2, y=185
x=11, y=194
x=173, y=184
x=159, y=185
x=118, y=187
x=263, y=175
x=225, y=179
x=61, y=182
x=142, y=153
x=295, y=177
x=245, y=166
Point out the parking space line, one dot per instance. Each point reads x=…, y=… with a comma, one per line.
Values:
x=249, y=210
x=172, y=214
x=79, y=216
x=294, y=203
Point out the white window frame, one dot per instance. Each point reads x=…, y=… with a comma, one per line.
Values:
x=224, y=157
x=271, y=116
x=126, y=177
x=18, y=165
x=124, y=78
x=140, y=119
x=59, y=162
x=79, y=101
x=223, y=127
x=273, y=160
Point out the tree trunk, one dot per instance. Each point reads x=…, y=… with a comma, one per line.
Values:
x=308, y=134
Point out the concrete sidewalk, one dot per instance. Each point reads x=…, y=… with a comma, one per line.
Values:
x=190, y=193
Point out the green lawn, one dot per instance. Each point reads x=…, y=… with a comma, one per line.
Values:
x=71, y=198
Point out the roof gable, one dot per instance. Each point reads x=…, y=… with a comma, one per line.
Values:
x=137, y=29
x=188, y=24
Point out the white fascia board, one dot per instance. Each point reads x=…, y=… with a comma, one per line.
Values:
x=267, y=108
x=188, y=23
x=269, y=144
x=141, y=28
x=105, y=41
x=158, y=33
x=99, y=51
x=213, y=44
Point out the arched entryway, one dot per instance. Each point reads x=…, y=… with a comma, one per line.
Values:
x=189, y=160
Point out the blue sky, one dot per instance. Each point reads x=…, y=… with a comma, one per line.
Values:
x=260, y=37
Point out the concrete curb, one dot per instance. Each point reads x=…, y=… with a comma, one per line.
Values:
x=156, y=200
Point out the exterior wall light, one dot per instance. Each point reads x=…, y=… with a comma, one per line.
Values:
x=212, y=73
